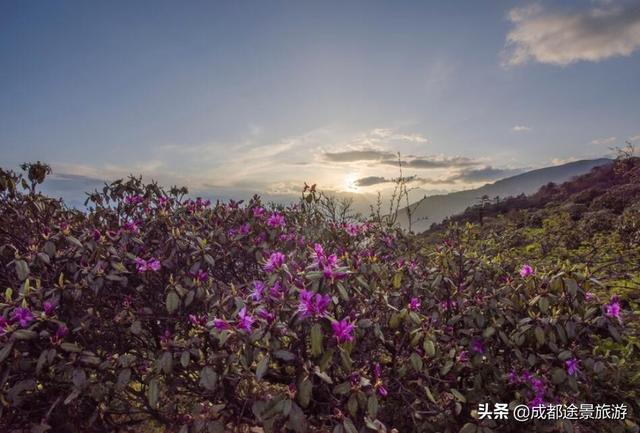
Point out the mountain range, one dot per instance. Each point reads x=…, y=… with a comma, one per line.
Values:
x=435, y=208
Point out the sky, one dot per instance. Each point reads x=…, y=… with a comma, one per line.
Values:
x=235, y=97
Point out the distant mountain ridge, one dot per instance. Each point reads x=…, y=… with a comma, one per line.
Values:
x=435, y=208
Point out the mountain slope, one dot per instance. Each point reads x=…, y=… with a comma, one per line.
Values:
x=435, y=208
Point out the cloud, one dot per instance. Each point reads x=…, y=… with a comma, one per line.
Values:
x=485, y=174
x=562, y=38
x=634, y=138
x=358, y=155
x=371, y=180
x=520, y=128
x=423, y=162
x=602, y=141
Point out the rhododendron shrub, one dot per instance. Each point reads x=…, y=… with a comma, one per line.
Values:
x=150, y=309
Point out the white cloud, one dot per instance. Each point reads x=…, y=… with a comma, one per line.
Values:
x=603, y=141
x=520, y=128
x=634, y=138
x=562, y=38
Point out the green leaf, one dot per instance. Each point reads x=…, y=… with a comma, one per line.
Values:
x=543, y=303
x=304, y=392
x=74, y=241
x=70, y=347
x=468, y=428
x=262, y=367
x=136, y=327
x=539, y=335
x=173, y=301
x=348, y=426
x=322, y=375
x=373, y=406
x=5, y=351
x=342, y=388
x=316, y=340
x=166, y=362
x=429, y=347
x=22, y=269
x=458, y=395
x=24, y=334
x=208, y=378
x=416, y=362
x=284, y=355
x=429, y=394
x=446, y=368
x=153, y=393
x=185, y=358
x=558, y=376
x=123, y=378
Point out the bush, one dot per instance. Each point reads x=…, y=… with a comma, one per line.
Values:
x=153, y=309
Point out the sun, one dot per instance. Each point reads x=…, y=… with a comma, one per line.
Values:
x=350, y=182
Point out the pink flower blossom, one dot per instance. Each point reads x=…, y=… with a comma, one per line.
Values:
x=220, y=324
x=526, y=271
x=258, y=212
x=311, y=305
x=379, y=385
x=143, y=265
x=245, y=320
x=276, y=260
x=342, y=331
x=23, y=316
x=477, y=345
x=612, y=309
x=48, y=308
x=258, y=291
x=415, y=304
x=276, y=220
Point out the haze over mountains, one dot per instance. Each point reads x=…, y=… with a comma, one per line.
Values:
x=433, y=209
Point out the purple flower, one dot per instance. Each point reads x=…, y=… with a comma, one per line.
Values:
x=220, y=324
x=143, y=265
x=276, y=220
x=477, y=345
x=258, y=291
x=258, y=212
x=48, y=308
x=612, y=309
x=572, y=366
x=22, y=315
x=353, y=229
x=589, y=296
x=153, y=264
x=526, y=270
x=276, y=260
x=266, y=315
x=379, y=385
x=463, y=356
x=202, y=275
x=60, y=333
x=244, y=229
x=96, y=235
x=311, y=305
x=343, y=331
x=414, y=305
x=246, y=321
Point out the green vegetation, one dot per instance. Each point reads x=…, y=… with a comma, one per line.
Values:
x=153, y=312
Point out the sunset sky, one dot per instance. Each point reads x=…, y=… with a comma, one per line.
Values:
x=235, y=97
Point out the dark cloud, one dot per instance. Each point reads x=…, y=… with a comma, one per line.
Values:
x=487, y=173
x=358, y=155
x=371, y=180
x=436, y=163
